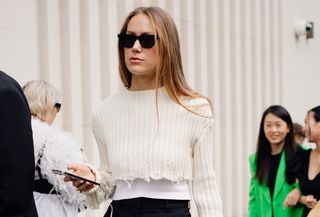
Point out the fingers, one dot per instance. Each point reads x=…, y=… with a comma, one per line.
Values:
x=89, y=187
x=85, y=187
x=311, y=205
x=310, y=201
x=74, y=167
x=292, y=202
x=67, y=179
x=289, y=202
x=292, y=198
x=79, y=169
x=83, y=171
x=78, y=184
x=285, y=203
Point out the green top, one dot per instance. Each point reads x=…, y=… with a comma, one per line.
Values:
x=260, y=202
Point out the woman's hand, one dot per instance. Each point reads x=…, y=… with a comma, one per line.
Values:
x=292, y=198
x=83, y=171
x=308, y=200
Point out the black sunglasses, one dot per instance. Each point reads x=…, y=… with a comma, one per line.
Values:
x=57, y=105
x=145, y=40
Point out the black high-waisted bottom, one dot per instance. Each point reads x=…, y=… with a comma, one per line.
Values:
x=147, y=207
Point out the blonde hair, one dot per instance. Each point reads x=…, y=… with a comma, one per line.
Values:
x=41, y=97
x=169, y=72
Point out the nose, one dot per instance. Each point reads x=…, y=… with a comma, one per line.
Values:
x=304, y=128
x=136, y=46
x=274, y=129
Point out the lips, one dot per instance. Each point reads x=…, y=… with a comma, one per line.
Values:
x=136, y=59
x=274, y=137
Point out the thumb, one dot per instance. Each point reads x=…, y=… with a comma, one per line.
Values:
x=73, y=167
x=285, y=203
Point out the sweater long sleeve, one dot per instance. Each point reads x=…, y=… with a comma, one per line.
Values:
x=141, y=137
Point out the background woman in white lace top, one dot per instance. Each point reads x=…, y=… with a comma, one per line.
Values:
x=155, y=135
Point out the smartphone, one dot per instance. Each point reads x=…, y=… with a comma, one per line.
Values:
x=73, y=176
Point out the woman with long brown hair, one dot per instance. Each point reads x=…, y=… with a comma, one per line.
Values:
x=155, y=136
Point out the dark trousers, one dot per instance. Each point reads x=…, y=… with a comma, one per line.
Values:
x=147, y=207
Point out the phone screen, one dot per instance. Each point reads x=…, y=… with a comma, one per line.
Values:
x=73, y=176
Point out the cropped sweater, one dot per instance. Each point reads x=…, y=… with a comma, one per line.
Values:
x=138, y=139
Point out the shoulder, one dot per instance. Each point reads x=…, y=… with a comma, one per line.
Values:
x=5, y=81
x=43, y=133
x=296, y=162
x=253, y=163
x=109, y=102
x=40, y=131
x=59, y=146
x=40, y=127
x=9, y=88
x=252, y=158
x=199, y=105
x=104, y=106
x=53, y=133
x=8, y=84
x=108, y=106
x=13, y=104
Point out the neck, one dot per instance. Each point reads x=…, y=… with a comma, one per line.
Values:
x=317, y=149
x=276, y=148
x=142, y=83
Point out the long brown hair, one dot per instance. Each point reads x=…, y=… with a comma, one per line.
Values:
x=169, y=72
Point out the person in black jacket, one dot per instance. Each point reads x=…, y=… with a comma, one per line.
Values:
x=16, y=152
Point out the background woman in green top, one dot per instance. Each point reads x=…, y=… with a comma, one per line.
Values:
x=272, y=187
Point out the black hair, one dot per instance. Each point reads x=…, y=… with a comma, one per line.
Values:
x=264, y=146
x=316, y=115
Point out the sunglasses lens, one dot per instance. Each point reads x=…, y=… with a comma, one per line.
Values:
x=127, y=40
x=147, y=41
x=57, y=106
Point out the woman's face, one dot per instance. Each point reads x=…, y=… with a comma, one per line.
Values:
x=311, y=128
x=141, y=62
x=275, y=129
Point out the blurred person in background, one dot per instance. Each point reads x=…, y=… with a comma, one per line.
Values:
x=53, y=149
x=299, y=134
x=16, y=152
x=274, y=190
x=309, y=178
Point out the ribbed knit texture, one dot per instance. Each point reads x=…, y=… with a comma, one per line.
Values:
x=134, y=144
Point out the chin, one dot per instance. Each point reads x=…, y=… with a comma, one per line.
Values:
x=276, y=142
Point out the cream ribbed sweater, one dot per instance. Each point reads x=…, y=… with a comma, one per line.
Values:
x=133, y=144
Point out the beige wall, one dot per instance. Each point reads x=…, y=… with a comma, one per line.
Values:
x=301, y=59
x=241, y=53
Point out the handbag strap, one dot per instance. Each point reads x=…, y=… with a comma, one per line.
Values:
x=40, y=154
